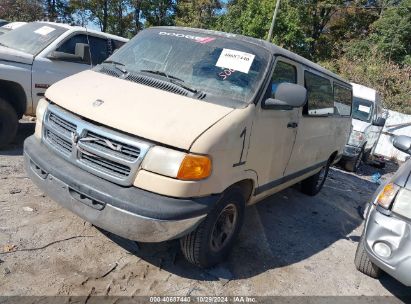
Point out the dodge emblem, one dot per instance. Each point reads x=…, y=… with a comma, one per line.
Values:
x=98, y=103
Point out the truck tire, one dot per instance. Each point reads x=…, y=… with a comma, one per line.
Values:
x=354, y=164
x=313, y=185
x=211, y=242
x=9, y=123
x=363, y=263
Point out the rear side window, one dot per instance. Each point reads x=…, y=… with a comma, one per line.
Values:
x=320, y=95
x=283, y=72
x=342, y=100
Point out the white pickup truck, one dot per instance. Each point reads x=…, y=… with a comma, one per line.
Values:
x=38, y=54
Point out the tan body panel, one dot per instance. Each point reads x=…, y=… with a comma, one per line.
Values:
x=149, y=113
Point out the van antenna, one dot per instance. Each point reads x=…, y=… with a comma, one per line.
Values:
x=83, y=21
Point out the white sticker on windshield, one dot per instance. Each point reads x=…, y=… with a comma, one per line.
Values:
x=44, y=30
x=364, y=109
x=235, y=60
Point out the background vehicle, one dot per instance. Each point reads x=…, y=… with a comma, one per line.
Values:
x=10, y=26
x=3, y=22
x=367, y=124
x=181, y=129
x=36, y=55
x=386, y=240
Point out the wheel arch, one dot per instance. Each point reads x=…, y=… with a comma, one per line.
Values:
x=14, y=94
x=246, y=186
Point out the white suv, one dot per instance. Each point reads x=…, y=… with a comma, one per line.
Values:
x=36, y=55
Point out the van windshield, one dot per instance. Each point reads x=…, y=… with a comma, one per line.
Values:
x=362, y=109
x=228, y=71
x=31, y=38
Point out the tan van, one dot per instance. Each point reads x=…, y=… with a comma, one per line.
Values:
x=181, y=129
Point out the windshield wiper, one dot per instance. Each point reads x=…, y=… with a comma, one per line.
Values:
x=117, y=65
x=174, y=80
x=161, y=73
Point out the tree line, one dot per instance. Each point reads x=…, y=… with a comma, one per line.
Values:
x=366, y=41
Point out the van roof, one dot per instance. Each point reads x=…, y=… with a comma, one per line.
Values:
x=363, y=92
x=71, y=27
x=274, y=49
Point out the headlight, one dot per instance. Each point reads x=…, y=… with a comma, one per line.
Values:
x=41, y=109
x=402, y=203
x=387, y=195
x=177, y=164
x=356, y=138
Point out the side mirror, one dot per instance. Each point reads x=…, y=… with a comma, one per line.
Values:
x=82, y=54
x=403, y=143
x=379, y=122
x=82, y=50
x=287, y=96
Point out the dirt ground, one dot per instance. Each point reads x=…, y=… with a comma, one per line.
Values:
x=291, y=244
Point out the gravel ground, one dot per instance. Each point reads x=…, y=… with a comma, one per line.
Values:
x=291, y=244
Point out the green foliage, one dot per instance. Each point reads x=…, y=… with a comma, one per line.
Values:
x=197, y=13
x=392, y=80
x=21, y=10
x=158, y=12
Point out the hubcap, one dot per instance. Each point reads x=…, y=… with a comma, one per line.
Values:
x=224, y=228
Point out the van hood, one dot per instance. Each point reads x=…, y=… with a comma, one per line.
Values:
x=146, y=112
x=359, y=125
x=9, y=54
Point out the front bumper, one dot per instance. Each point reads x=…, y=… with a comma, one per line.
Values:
x=351, y=152
x=129, y=212
x=396, y=233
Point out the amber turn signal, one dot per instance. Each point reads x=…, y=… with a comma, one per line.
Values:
x=194, y=167
x=387, y=195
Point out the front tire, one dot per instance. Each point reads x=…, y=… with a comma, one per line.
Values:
x=9, y=123
x=362, y=261
x=213, y=239
x=313, y=185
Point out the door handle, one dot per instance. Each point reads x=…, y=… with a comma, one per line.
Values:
x=292, y=125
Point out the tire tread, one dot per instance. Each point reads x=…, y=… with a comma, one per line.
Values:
x=363, y=263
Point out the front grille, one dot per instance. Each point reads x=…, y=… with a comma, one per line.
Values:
x=101, y=151
x=59, y=142
x=62, y=125
x=96, y=141
x=105, y=165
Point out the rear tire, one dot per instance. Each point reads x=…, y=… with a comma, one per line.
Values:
x=354, y=164
x=213, y=239
x=9, y=123
x=313, y=185
x=363, y=263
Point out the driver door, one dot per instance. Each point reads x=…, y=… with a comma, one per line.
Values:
x=274, y=133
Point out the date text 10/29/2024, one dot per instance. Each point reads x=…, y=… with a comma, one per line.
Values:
x=203, y=299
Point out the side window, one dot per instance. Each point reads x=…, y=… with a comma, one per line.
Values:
x=69, y=46
x=320, y=95
x=342, y=100
x=99, y=49
x=283, y=72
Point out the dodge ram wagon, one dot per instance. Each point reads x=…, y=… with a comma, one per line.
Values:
x=181, y=129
